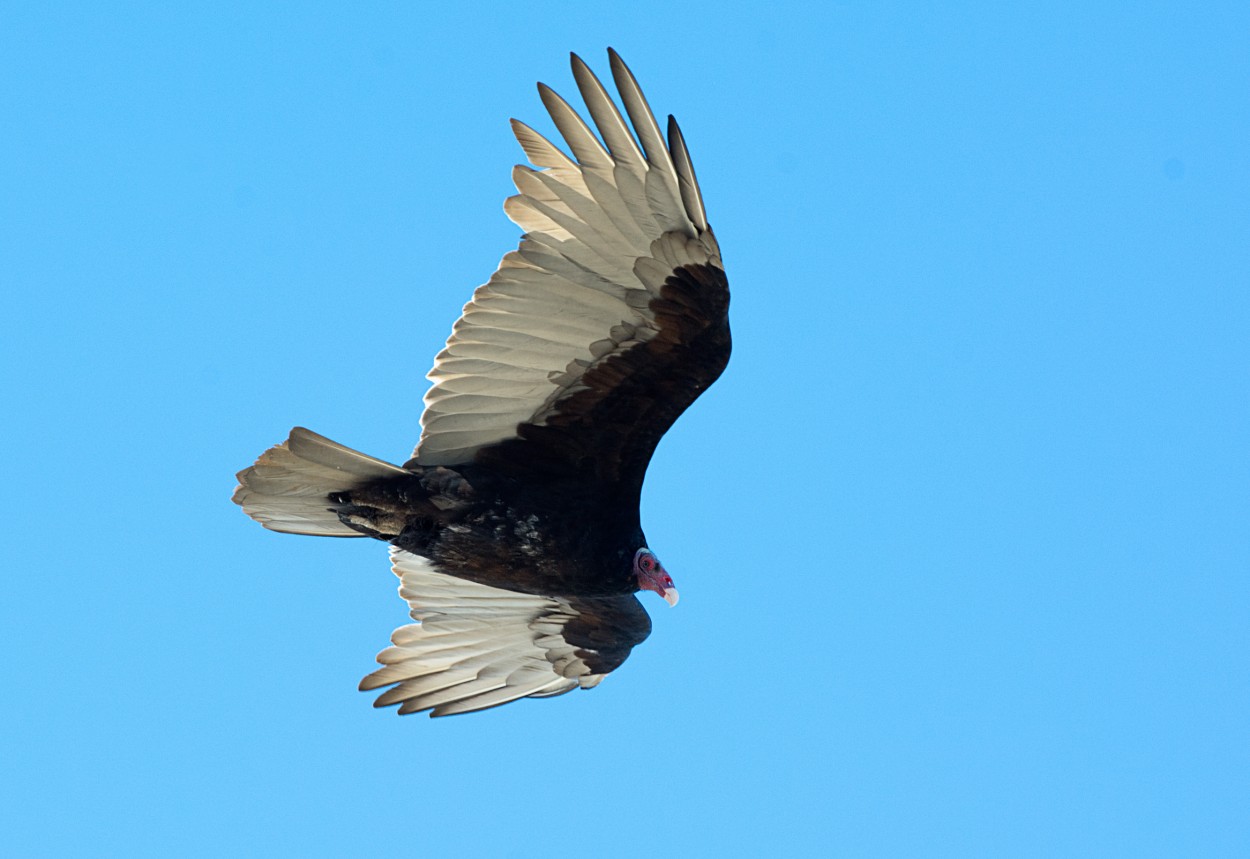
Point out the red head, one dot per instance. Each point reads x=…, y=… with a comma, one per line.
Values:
x=652, y=577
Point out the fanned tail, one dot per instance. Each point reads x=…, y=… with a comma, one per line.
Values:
x=288, y=488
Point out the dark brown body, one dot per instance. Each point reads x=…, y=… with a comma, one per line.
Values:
x=555, y=510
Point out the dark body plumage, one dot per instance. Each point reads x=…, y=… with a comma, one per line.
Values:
x=555, y=510
x=518, y=540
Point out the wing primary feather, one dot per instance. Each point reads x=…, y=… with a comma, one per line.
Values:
x=691, y=196
x=607, y=118
x=645, y=126
x=539, y=150
x=585, y=147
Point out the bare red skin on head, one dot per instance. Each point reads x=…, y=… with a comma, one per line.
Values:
x=652, y=576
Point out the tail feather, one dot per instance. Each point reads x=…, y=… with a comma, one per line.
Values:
x=289, y=486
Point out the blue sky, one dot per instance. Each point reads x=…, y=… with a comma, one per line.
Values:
x=962, y=534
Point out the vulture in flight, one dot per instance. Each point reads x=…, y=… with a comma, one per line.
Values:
x=514, y=528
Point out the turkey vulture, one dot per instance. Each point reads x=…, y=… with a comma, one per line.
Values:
x=514, y=527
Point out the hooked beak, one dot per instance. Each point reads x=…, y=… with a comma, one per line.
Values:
x=670, y=596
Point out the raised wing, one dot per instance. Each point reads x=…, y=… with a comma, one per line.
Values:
x=611, y=316
x=477, y=647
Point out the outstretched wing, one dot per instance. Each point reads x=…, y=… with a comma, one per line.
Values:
x=607, y=321
x=477, y=647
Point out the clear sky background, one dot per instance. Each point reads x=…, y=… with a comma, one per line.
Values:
x=963, y=534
